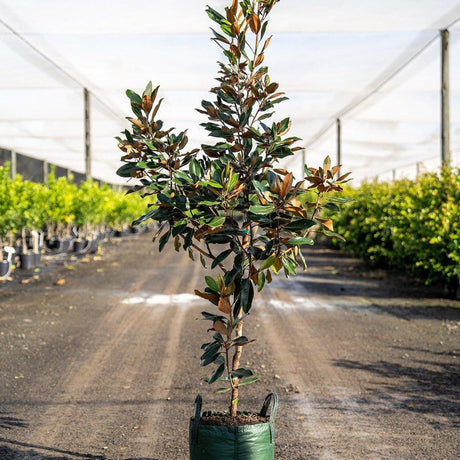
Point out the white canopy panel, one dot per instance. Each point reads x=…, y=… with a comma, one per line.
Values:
x=375, y=64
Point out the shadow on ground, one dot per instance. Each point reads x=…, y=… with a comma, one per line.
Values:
x=423, y=386
x=332, y=273
x=8, y=453
x=7, y=422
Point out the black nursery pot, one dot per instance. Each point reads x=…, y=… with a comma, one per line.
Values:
x=37, y=258
x=121, y=233
x=27, y=261
x=4, y=267
x=94, y=245
x=79, y=246
x=61, y=245
x=247, y=442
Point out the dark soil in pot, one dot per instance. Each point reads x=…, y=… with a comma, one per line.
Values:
x=224, y=419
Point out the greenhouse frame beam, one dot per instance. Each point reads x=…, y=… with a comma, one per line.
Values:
x=87, y=133
x=445, y=90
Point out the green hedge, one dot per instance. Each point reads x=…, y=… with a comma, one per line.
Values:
x=410, y=225
x=60, y=204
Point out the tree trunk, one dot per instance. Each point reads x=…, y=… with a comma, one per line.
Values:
x=235, y=366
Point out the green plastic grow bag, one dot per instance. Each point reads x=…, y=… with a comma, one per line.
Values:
x=248, y=442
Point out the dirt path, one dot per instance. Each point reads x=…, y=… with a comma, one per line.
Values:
x=106, y=366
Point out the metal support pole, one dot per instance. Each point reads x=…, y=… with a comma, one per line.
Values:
x=418, y=168
x=87, y=134
x=69, y=173
x=14, y=164
x=445, y=111
x=393, y=175
x=339, y=144
x=302, y=171
x=45, y=171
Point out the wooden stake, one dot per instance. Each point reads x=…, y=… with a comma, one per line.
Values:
x=445, y=110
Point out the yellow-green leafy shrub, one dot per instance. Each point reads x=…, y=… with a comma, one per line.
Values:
x=408, y=224
x=60, y=204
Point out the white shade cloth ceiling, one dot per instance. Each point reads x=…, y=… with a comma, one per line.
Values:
x=327, y=55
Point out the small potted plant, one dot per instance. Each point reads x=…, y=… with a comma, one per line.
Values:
x=229, y=205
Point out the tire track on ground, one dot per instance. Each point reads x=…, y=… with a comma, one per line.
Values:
x=147, y=442
x=326, y=406
x=83, y=402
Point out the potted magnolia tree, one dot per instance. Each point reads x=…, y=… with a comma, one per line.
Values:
x=230, y=205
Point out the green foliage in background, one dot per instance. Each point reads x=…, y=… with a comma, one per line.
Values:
x=409, y=225
x=25, y=205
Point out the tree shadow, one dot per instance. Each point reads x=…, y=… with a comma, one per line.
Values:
x=9, y=453
x=7, y=422
x=424, y=387
x=338, y=272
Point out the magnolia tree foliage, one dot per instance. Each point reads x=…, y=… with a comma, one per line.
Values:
x=228, y=203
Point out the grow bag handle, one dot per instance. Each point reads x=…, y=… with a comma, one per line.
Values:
x=271, y=398
x=196, y=419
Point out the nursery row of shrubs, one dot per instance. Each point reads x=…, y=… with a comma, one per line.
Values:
x=58, y=216
x=409, y=225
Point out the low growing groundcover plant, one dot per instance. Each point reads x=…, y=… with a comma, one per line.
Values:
x=228, y=204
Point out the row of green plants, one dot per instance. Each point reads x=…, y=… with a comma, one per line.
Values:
x=59, y=206
x=407, y=224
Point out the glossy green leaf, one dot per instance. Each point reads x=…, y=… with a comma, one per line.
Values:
x=246, y=295
x=300, y=224
x=260, y=281
x=248, y=381
x=333, y=235
x=210, y=351
x=241, y=372
x=299, y=241
x=220, y=258
x=217, y=221
x=268, y=262
x=260, y=209
x=134, y=96
x=217, y=373
x=259, y=187
x=210, y=281
x=288, y=265
x=241, y=340
x=331, y=206
x=222, y=390
x=210, y=359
